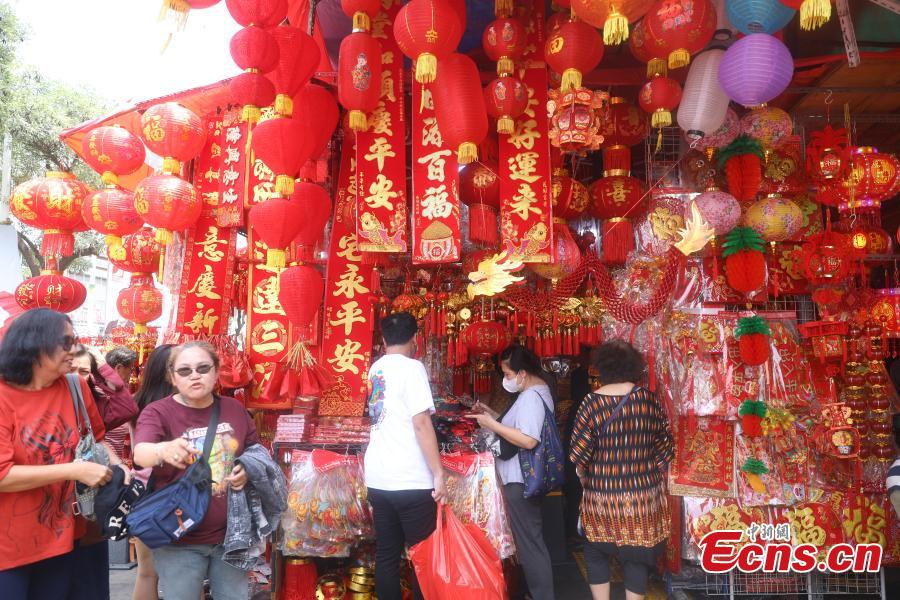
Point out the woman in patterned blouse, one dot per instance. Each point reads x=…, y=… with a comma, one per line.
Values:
x=621, y=444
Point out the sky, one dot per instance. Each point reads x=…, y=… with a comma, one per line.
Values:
x=114, y=46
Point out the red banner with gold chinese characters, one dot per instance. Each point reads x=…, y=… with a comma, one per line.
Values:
x=381, y=151
x=435, y=176
x=207, y=274
x=526, y=218
x=232, y=173
x=268, y=330
x=347, y=332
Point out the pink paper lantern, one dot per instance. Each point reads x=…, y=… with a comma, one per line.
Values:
x=724, y=135
x=768, y=124
x=720, y=209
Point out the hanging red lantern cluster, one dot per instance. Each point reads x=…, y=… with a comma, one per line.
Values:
x=359, y=64
x=256, y=52
x=479, y=189
x=506, y=98
x=659, y=97
x=51, y=203
x=276, y=222
x=140, y=302
x=51, y=289
x=167, y=202
x=173, y=132
x=298, y=57
x=111, y=211
x=112, y=151
x=427, y=31
x=573, y=50
x=139, y=253
x=459, y=106
x=872, y=178
x=284, y=145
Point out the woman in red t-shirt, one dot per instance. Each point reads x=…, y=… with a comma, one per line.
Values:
x=38, y=436
x=170, y=434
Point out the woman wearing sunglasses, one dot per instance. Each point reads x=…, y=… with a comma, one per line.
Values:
x=38, y=436
x=170, y=435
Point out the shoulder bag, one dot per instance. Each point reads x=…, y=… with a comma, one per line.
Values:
x=543, y=467
x=87, y=450
x=169, y=514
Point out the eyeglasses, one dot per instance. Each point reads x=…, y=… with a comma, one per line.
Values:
x=186, y=371
x=67, y=341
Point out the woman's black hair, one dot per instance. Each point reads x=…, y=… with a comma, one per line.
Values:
x=521, y=358
x=155, y=384
x=33, y=333
x=618, y=361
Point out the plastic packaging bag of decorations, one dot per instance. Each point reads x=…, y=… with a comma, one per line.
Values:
x=328, y=511
x=475, y=497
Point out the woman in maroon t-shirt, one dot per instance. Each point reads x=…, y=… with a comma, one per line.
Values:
x=170, y=435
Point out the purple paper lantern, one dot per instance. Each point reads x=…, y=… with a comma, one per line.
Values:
x=720, y=209
x=756, y=69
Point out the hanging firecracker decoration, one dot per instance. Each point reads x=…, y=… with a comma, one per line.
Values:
x=704, y=104
x=813, y=13
x=506, y=99
x=426, y=31
x=139, y=252
x=276, y=222
x=111, y=211
x=284, y=145
x=51, y=289
x=758, y=16
x=173, y=132
x=459, y=106
x=504, y=42
x=51, y=203
x=752, y=469
x=298, y=57
x=742, y=161
x=613, y=16
x=745, y=261
x=616, y=199
x=255, y=52
x=168, y=203
x=679, y=28
x=112, y=151
x=359, y=77
x=659, y=97
x=479, y=189
x=756, y=69
x=140, y=302
x=752, y=334
x=752, y=412
x=573, y=50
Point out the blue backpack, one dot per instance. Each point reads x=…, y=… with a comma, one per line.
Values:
x=543, y=467
x=167, y=515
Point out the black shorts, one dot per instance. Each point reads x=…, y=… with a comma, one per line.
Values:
x=636, y=563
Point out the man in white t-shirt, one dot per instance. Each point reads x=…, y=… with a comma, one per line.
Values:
x=404, y=477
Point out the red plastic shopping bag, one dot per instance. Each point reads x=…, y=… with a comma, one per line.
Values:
x=457, y=561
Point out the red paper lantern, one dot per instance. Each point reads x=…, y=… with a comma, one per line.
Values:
x=679, y=28
x=112, y=151
x=504, y=43
x=140, y=302
x=566, y=254
x=625, y=125
x=51, y=290
x=300, y=293
x=363, y=12
x=479, y=189
x=318, y=112
x=873, y=176
x=173, y=132
x=139, y=252
x=640, y=46
x=506, y=99
x=616, y=198
x=284, y=145
x=276, y=222
x=298, y=57
x=659, y=97
x=459, y=106
x=251, y=90
x=570, y=197
x=557, y=20
x=168, y=203
x=111, y=211
x=315, y=204
x=254, y=48
x=359, y=77
x=263, y=13
x=612, y=16
x=426, y=31
x=828, y=156
x=486, y=337
x=573, y=49
x=52, y=203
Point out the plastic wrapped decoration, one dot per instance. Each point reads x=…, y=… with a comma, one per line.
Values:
x=658, y=230
x=327, y=508
x=475, y=496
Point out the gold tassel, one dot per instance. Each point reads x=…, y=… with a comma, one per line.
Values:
x=505, y=66
x=358, y=121
x=284, y=185
x=109, y=178
x=658, y=141
x=275, y=258
x=467, y=153
x=615, y=30
x=164, y=237
x=814, y=14
x=426, y=67
x=656, y=66
x=112, y=240
x=171, y=165
x=181, y=9
x=503, y=8
x=506, y=125
x=284, y=106
x=679, y=58
x=361, y=21
x=661, y=118
x=250, y=114
x=140, y=328
x=571, y=80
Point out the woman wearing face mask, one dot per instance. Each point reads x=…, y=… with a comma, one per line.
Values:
x=520, y=427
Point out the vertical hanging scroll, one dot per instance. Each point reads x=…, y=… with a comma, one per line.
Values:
x=435, y=174
x=232, y=175
x=526, y=219
x=381, y=151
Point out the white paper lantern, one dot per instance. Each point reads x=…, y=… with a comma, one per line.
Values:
x=704, y=102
